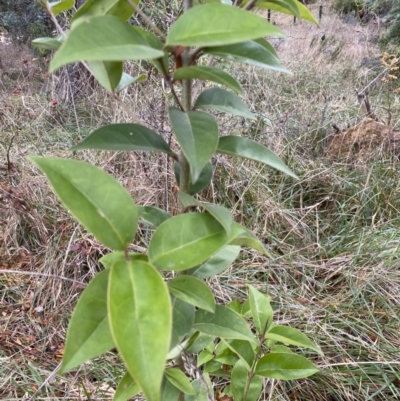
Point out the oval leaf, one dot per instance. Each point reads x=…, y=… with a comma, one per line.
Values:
x=111, y=258
x=193, y=291
x=95, y=198
x=239, y=378
x=47, y=43
x=246, y=148
x=197, y=133
x=218, y=24
x=244, y=237
x=224, y=323
x=243, y=349
x=179, y=380
x=127, y=388
x=221, y=100
x=128, y=137
x=88, y=332
x=261, y=309
x=152, y=216
x=207, y=73
x=182, y=320
x=285, y=366
x=289, y=335
x=140, y=319
x=119, y=8
x=108, y=73
x=103, y=38
x=186, y=240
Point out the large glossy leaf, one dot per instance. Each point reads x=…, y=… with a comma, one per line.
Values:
x=140, y=319
x=217, y=263
x=182, y=320
x=193, y=291
x=127, y=388
x=179, y=380
x=285, y=366
x=60, y=6
x=186, y=240
x=290, y=335
x=203, y=181
x=224, y=323
x=246, y=148
x=218, y=24
x=128, y=137
x=261, y=309
x=88, y=332
x=119, y=8
x=221, y=214
x=47, y=43
x=243, y=349
x=255, y=52
x=207, y=73
x=103, y=38
x=244, y=237
x=127, y=80
x=197, y=133
x=108, y=73
x=152, y=216
x=95, y=198
x=221, y=100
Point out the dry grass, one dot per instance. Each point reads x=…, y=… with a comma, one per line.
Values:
x=334, y=234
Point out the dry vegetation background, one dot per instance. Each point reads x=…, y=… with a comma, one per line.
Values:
x=334, y=235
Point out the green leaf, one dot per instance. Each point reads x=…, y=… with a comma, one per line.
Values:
x=289, y=335
x=182, y=320
x=254, y=52
x=202, y=182
x=217, y=263
x=193, y=291
x=221, y=214
x=186, y=240
x=204, y=357
x=103, y=38
x=281, y=349
x=243, y=349
x=179, y=380
x=285, y=366
x=197, y=133
x=88, y=333
x=48, y=43
x=225, y=355
x=218, y=24
x=221, y=100
x=118, y=8
x=201, y=392
x=244, y=237
x=128, y=137
x=235, y=306
x=127, y=388
x=111, y=258
x=108, y=73
x=224, y=323
x=127, y=80
x=261, y=309
x=246, y=148
x=255, y=388
x=207, y=73
x=239, y=378
x=168, y=391
x=152, y=216
x=60, y=6
x=95, y=198
x=199, y=342
x=140, y=319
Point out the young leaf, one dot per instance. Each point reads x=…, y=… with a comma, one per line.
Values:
x=182, y=320
x=119, y=8
x=204, y=357
x=47, y=43
x=127, y=137
x=212, y=25
x=152, y=216
x=60, y=6
x=186, y=240
x=197, y=133
x=193, y=291
x=239, y=378
x=95, y=198
x=179, y=380
x=207, y=73
x=224, y=323
x=243, y=349
x=217, y=263
x=127, y=388
x=88, y=332
x=285, y=366
x=221, y=100
x=261, y=309
x=254, y=52
x=246, y=148
x=202, y=182
x=222, y=215
x=290, y=335
x=127, y=80
x=103, y=38
x=140, y=319
x=108, y=73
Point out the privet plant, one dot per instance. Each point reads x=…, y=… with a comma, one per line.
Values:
x=156, y=323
